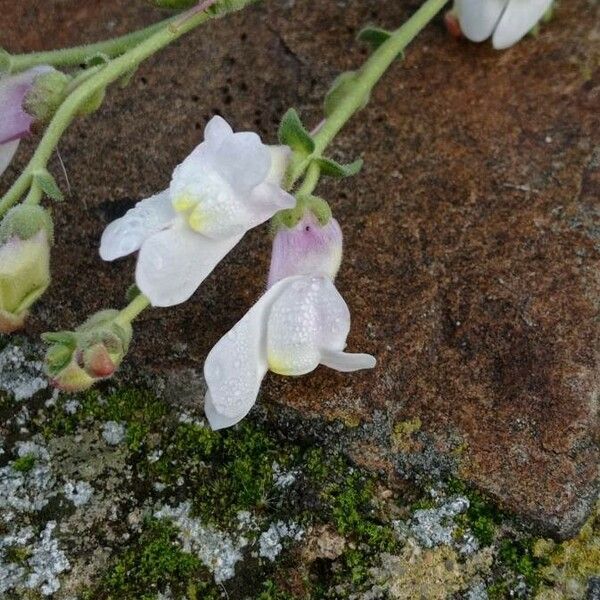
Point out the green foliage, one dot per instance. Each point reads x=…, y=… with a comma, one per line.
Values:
x=374, y=36
x=519, y=557
x=47, y=183
x=292, y=133
x=335, y=169
x=154, y=562
x=24, y=463
x=25, y=221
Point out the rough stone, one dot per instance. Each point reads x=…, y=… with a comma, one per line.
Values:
x=472, y=235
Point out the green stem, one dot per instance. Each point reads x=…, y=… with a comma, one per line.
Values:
x=77, y=55
x=72, y=104
x=311, y=179
x=371, y=72
x=133, y=309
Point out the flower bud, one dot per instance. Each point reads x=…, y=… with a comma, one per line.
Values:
x=25, y=240
x=25, y=98
x=308, y=246
x=78, y=359
x=452, y=24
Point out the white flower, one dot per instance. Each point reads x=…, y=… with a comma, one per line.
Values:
x=299, y=323
x=507, y=21
x=229, y=184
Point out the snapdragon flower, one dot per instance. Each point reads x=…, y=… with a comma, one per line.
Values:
x=506, y=21
x=300, y=322
x=229, y=184
x=24, y=99
x=307, y=247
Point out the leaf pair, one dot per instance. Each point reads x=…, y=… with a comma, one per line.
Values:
x=292, y=133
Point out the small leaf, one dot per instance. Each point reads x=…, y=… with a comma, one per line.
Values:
x=66, y=338
x=334, y=169
x=48, y=184
x=375, y=36
x=292, y=133
x=133, y=291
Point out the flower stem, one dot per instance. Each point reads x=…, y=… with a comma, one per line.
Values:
x=311, y=179
x=77, y=55
x=72, y=104
x=370, y=73
x=133, y=309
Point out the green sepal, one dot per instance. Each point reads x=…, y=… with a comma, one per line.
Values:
x=66, y=338
x=5, y=61
x=48, y=184
x=292, y=133
x=133, y=291
x=46, y=95
x=289, y=218
x=375, y=37
x=24, y=221
x=340, y=88
x=335, y=169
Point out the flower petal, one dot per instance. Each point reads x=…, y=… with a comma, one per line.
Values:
x=517, y=20
x=478, y=18
x=310, y=315
x=280, y=158
x=7, y=151
x=174, y=262
x=217, y=129
x=265, y=200
x=127, y=234
x=235, y=367
x=345, y=362
x=243, y=160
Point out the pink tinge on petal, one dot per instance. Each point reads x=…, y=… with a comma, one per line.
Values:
x=309, y=248
x=15, y=123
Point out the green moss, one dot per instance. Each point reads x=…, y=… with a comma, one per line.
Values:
x=402, y=439
x=140, y=409
x=24, y=463
x=519, y=557
x=481, y=518
x=153, y=563
x=271, y=591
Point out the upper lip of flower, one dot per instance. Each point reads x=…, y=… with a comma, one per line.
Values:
x=229, y=184
x=298, y=323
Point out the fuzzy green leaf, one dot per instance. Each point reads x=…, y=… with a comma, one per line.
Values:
x=375, y=36
x=334, y=169
x=292, y=133
x=48, y=184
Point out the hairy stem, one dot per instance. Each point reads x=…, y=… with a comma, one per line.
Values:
x=133, y=309
x=70, y=107
x=370, y=73
x=77, y=55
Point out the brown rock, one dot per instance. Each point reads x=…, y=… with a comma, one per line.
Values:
x=472, y=235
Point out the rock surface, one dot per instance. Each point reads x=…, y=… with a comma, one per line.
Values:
x=472, y=234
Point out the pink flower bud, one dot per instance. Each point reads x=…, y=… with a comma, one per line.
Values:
x=25, y=98
x=307, y=248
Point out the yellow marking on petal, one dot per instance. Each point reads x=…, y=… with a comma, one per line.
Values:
x=279, y=365
x=198, y=219
x=184, y=202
